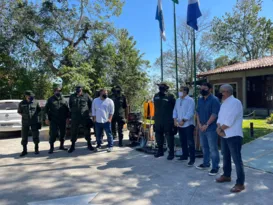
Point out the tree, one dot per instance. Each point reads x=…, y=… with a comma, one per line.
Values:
x=221, y=61
x=129, y=69
x=76, y=42
x=57, y=36
x=59, y=32
x=185, y=52
x=243, y=32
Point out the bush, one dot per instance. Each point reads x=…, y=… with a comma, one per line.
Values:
x=269, y=120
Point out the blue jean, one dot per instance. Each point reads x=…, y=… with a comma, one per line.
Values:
x=99, y=130
x=209, y=143
x=231, y=147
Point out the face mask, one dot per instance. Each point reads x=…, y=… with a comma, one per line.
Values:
x=118, y=92
x=78, y=90
x=104, y=96
x=57, y=94
x=180, y=94
x=204, y=92
x=162, y=89
x=31, y=99
x=220, y=96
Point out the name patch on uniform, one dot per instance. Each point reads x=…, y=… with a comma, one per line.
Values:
x=157, y=98
x=166, y=100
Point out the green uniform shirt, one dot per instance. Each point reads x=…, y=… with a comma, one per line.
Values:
x=120, y=103
x=164, y=105
x=56, y=109
x=29, y=111
x=80, y=106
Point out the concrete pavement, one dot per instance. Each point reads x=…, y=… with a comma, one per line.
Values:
x=258, y=154
x=123, y=177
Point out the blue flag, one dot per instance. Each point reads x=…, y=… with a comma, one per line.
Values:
x=159, y=17
x=193, y=13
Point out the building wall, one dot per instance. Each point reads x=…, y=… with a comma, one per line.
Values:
x=238, y=81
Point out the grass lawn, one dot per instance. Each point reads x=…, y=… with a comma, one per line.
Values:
x=261, y=128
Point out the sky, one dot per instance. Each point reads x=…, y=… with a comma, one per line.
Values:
x=138, y=17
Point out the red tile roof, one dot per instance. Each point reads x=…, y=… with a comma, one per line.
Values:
x=249, y=65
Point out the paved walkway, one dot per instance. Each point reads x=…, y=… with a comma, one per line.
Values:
x=258, y=154
x=123, y=177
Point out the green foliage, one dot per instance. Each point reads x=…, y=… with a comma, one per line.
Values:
x=261, y=128
x=128, y=70
x=76, y=42
x=269, y=120
x=243, y=32
x=224, y=61
x=221, y=61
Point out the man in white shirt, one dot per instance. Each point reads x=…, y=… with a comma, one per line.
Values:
x=102, y=112
x=183, y=115
x=229, y=127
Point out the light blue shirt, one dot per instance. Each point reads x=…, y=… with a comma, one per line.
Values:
x=102, y=109
x=184, y=109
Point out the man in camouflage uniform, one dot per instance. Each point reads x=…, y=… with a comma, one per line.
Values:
x=164, y=103
x=29, y=109
x=80, y=108
x=56, y=116
x=120, y=113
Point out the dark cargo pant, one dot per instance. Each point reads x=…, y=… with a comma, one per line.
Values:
x=57, y=129
x=161, y=132
x=75, y=128
x=120, y=121
x=25, y=132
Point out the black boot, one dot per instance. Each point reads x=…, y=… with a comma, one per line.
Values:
x=62, y=147
x=89, y=146
x=51, y=148
x=24, y=151
x=120, y=144
x=36, y=149
x=159, y=153
x=171, y=155
x=72, y=148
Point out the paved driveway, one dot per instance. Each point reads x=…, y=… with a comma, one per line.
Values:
x=123, y=177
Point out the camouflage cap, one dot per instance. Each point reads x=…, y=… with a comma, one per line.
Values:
x=29, y=93
x=118, y=87
x=57, y=86
x=80, y=85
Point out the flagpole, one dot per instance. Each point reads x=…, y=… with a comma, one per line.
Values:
x=175, y=45
x=161, y=57
x=194, y=64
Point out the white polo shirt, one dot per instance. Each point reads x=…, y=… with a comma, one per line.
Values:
x=231, y=115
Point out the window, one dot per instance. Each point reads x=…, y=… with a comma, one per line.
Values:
x=216, y=89
x=9, y=105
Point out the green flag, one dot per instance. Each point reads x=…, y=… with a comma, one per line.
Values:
x=175, y=1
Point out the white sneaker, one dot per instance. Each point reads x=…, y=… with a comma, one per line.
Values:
x=109, y=149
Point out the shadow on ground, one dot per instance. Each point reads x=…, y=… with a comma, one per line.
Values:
x=121, y=177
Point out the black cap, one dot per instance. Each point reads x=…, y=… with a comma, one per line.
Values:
x=29, y=93
x=164, y=83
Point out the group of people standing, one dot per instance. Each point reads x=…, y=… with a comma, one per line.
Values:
x=103, y=114
x=213, y=119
